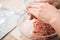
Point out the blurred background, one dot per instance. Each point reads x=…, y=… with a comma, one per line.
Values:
x=13, y=33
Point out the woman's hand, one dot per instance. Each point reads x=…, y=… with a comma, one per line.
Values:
x=43, y=11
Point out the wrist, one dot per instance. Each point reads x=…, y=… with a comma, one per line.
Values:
x=53, y=19
x=55, y=22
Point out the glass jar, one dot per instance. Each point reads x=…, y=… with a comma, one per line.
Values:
x=26, y=29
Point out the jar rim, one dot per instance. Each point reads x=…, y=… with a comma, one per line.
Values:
x=54, y=34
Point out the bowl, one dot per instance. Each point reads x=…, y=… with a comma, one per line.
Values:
x=26, y=29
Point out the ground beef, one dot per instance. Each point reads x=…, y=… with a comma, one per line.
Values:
x=42, y=29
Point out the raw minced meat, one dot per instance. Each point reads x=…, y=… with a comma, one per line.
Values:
x=43, y=29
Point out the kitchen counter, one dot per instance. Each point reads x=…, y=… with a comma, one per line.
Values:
x=13, y=35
